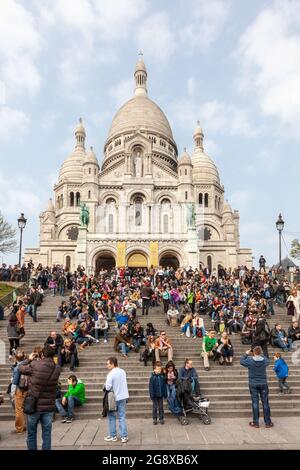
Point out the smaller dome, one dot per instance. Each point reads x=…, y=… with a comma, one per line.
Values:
x=227, y=208
x=204, y=169
x=80, y=127
x=50, y=206
x=91, y=157
x=184, y=159
x=198, y=130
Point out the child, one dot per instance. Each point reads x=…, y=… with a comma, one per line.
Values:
x=282, y=371
x=158, y=391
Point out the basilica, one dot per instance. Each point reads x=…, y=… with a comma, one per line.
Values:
x=139, y=201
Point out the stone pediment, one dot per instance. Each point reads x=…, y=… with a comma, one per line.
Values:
x=137, y=138
x=161, y=172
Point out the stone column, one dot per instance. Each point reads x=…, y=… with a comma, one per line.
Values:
x=81, y=248
x=192, y=248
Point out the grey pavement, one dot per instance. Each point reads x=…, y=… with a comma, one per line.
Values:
x=222, y=434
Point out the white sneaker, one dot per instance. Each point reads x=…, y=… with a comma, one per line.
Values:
x=105, y=341
x=124, y=440
x=97, y=340
x=111, y=439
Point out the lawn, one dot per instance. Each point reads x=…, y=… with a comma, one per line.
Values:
x=5, y=289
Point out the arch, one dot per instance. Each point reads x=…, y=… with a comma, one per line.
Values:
x=164, y=195
x=137, y=260
x=171, y=252
x=139, y=192
x=78, y=199
x=104, y=259
x=64, y=226
x=72, y=199
x=107, y=195
x=206, y=200
x=169, y=258
x=200, y=199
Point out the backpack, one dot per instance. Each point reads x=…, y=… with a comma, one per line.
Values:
x=267, y=294
x=23, y=382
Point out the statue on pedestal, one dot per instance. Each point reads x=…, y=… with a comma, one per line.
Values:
x=191, y=216
x=84, y=215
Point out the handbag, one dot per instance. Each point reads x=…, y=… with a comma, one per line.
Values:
x=30, y=402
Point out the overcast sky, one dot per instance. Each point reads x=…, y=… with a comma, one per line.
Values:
x=232, y=64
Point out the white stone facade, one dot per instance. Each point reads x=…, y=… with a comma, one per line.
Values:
x=138, y=199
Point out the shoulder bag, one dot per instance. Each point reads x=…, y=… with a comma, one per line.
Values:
x=30, y=402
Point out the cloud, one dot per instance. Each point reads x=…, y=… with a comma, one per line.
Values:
x=205, y=21
x=215, y=116
x=122, y=91
x=155, y=36
x=13, y=122
x=268, y=55
x=25, y=199
x=241, y=199
x=50, y=118
x=191, y=86
x=20, y=43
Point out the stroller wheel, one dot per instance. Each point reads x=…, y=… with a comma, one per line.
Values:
x=206, y=419
x=183, y=420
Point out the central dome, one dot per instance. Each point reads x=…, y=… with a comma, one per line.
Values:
x=140, y=112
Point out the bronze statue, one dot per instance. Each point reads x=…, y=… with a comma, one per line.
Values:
x=84, y=215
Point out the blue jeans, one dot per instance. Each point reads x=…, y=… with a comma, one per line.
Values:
x=123, y=348
x=45, y=418
x=32, y=312
x=112, y=419
x=282, y=344
x=195, y=329
x=261, y=391
x=62, y=291
x=71, y=403
x=99, y=333
x=171, y=390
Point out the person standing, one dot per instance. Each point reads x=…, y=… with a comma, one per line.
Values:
x=157, y=392
x=258, y=385
x=13, y=333
x=43, y=378
x=116, y=381
x=19, y=387
x=146, y=295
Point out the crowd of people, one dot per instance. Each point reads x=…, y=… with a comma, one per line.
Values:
x=212, y=307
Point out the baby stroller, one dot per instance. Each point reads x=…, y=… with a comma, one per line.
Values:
x=186, y=402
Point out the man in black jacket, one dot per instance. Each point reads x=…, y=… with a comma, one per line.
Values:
x=42, y=384
x=33, y=303
x=294, y=331
x=56, y=343
x=146, y=295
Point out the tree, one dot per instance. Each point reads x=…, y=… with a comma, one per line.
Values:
x=295, y=249
x=8, y=243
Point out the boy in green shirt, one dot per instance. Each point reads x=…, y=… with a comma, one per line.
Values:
x=208, y=346
x=75, y=396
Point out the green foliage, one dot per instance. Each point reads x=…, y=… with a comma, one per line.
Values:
x=295, y=249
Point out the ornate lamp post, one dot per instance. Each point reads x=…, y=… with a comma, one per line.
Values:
x=280, y=226
x=21, y=224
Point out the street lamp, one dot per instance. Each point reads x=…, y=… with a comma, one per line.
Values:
x=21, y=224
x=279, y=226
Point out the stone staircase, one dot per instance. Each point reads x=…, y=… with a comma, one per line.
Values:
x=225, y=386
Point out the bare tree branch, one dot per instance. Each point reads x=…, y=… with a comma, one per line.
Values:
x=8, y=243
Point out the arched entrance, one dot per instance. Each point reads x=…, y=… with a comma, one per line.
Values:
x=105, y=260
x=137, y=260
x=169, y=260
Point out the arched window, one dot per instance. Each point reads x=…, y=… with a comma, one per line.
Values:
x=110, y=201
x=68, y=263
x=216, y=202
x=166, y=223
x=200, y=199
x=138, y=208
x=205, y=200
x=165, y=201
x=185, y=172
x=77, y=199
x=209, y=263
x=72, y=199
x=89, y=194
x=110, y=223
x=219, y=203
x=90, y=171
x=186, y=195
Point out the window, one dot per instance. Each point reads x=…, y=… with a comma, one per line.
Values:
x=180, y=172
x=166, y=223
x=165, y=201
x=110, y=201
x=90, y=171
x=110, y=223
x=138, y=207
x=72, y=199
x=200, y=199
x=186, y=195
x=61, y=201
x=206, y=200
x=77, y=199
x=185, y=172
x=95, y=171
x=89, y=194
x=68, y=262
x=209, y=263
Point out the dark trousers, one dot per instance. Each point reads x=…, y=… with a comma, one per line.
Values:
x=262, y=392
x=158, y=408
x=145, y=306
x=283, y=385
x=166, y=305
x=13, y=344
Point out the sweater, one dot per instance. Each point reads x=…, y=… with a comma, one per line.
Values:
x=78, y=391
x=281, y=368
x=257, y=367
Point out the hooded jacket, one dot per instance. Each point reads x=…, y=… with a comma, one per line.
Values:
x=257, y=369
x=281, y=369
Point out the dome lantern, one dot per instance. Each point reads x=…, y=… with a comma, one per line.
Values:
x=198, y=137
x=140, y=76
x=80, y=135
